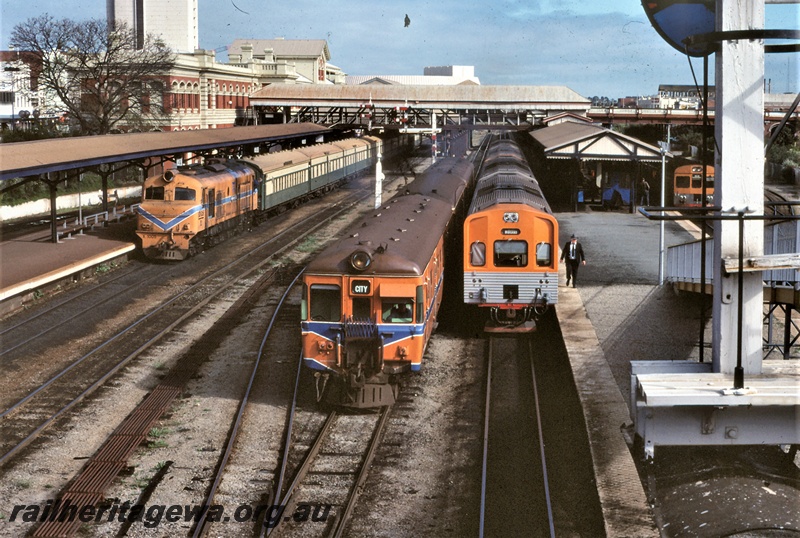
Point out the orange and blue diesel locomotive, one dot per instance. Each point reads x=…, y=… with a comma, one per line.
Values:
x=370, y=301
x=510, y=242
x=193, y=207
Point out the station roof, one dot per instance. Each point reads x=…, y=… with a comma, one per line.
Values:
x=284, y=48
x=446, y=97
x=20, y=159
x=573, y=140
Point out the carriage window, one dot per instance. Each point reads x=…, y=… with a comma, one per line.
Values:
x=510, y=254
x=420, y=304
x=682, y=182
x=362, y=308
x=709, y=182
x=326, y=302
x=397, y=310
x=477, y=254
x=154, y=193
x=544, y=256
x=182, y=193
x=697, y=181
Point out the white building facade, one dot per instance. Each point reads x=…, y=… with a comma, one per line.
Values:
x=175, y=21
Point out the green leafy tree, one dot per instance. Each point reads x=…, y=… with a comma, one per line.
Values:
x=100, y=77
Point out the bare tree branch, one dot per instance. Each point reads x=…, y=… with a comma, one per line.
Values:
x=97, y=75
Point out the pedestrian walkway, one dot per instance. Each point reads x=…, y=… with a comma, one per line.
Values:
x=617, y=314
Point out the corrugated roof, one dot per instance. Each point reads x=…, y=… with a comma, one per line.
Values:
x=21, y=159
x=283, y=47
x=570, y=140
x=410, y=80
x=508, y=97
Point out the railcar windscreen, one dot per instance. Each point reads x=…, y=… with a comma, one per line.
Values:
x=326, y=302
x=477, y=254
x=544, y=254
x=511, y=253
x=397, y=310
x=362, y=308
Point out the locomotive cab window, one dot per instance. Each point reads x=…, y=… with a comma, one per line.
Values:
x=397, y=310
x=682, y=182
x=154, y=193
x=182, y=193
x=325, y=302
x=477, y=254
x=544, y=254
x=510, y=253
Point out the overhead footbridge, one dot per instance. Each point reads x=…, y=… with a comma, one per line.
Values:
x=395, y=106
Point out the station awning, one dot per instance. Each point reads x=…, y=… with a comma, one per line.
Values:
x=586, y=141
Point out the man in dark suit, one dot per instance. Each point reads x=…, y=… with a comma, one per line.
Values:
x=573, y=255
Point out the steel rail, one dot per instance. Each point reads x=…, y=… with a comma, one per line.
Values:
x=548, y=501
x=355, y=491
x=33, y=435
x=484, y=464
x=305, y=466
x=62, y=303
x=202, y=526
x=65, y=321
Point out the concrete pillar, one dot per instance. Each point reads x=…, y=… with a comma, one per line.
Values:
x=739, y=183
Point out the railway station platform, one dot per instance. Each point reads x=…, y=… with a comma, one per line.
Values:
x=31, y=265
x=617, y=314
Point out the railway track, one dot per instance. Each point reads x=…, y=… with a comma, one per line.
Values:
x=537, y=476
x=28, y=417
x=515, y=491
x=332, y=472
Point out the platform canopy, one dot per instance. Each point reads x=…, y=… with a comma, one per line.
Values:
x=586, y=141
x=20, y=159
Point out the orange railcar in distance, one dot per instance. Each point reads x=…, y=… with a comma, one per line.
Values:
x=510, y=243
x=688, y=185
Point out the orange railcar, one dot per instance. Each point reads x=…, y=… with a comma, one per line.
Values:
x=688, y=185
x=370, y=301
x=510, y=256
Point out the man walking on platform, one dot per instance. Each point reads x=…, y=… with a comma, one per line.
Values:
x=572, y=253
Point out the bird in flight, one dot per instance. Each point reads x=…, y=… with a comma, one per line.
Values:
x=407, y=21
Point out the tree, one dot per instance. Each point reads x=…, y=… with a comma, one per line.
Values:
x=98, y=76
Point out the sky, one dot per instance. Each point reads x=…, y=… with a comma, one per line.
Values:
x=594, y=47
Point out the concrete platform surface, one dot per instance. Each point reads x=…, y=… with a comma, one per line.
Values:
x=687, y=491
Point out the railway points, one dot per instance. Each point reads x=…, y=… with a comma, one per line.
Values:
x=620, y=314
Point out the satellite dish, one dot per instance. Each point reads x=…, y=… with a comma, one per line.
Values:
x=675, y=20
x=36, y=113
x=24, y=114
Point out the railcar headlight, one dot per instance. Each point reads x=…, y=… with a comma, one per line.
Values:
x=360, y=260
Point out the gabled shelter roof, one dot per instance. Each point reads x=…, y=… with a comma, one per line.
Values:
x=571, y=140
